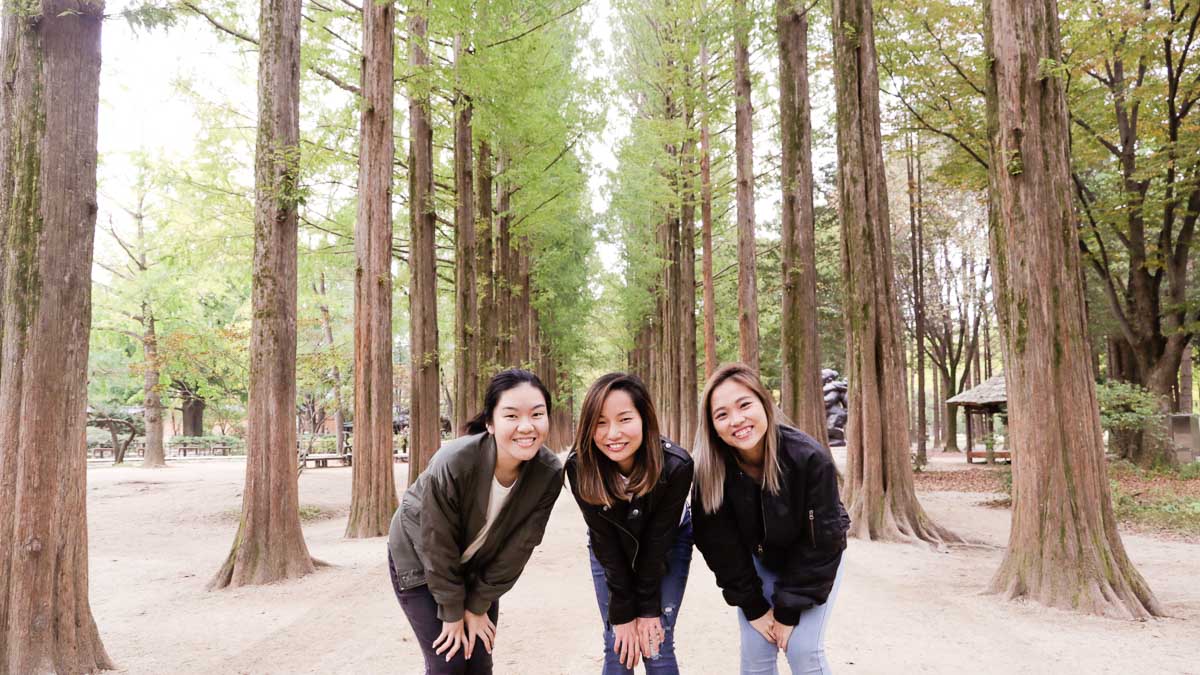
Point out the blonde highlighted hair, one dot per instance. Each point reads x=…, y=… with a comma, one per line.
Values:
x=710, y=453
x=598, y=479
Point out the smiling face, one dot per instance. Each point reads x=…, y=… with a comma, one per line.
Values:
x=738, y=416
x=520, y=423
x=618, y=431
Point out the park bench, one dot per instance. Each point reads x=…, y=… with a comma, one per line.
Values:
x=973, y=455
x=321, y=460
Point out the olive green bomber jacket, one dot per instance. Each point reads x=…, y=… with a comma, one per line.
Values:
x=442, y=512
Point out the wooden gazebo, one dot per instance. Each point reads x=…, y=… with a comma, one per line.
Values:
x=985, y=400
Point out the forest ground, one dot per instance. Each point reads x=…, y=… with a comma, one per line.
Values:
x=157, y=536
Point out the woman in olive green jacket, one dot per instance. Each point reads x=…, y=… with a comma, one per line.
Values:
x=466, y=528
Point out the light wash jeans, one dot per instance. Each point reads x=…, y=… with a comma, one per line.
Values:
x=806, y=646
x=679, y=560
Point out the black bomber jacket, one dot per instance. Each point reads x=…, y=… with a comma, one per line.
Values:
x=631, y=538
x=803, y=532
x=441, y=513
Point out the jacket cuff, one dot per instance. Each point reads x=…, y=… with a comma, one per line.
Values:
x=621, y=611
x=450, y=613
x=755, y=608
x=477, y=605
x=789, y=616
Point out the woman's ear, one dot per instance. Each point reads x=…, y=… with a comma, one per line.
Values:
x=490, y=430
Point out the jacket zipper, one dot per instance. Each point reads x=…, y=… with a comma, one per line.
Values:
x=762, y=513
x=811, y=531
x=623, y=529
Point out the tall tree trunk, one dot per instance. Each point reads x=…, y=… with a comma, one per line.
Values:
x=505, y=268
x=488, y=343
x=744, y=150
x=425, y=419
x=687, y=295
x=522, y=336
x=335, y=373
x=879, y=484
x=916, y=227
x=706, y=223
x=269, y=544
x=937, y=411
x=373, y=497
x=466, y=310
x=50, y=77
x=193, y=414
x=1063, y=548
x=949, y=417
x=152, y=400
x=1185, y=381
x=803, y=400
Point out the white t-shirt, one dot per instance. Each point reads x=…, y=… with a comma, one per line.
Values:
x=499, y=494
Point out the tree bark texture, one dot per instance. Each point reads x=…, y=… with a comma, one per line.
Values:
x=916, y=251
x=373, y=497
x=879, y=484
x=687, y=295
x=1064, y=550
x=269, y=544
x=152, y=405
x=193, y=414
x=425, y=419
x=744, y=151
x=802, y=398
x=706, y=225
x=488, y=344
x=49, y=79
x=466, y=308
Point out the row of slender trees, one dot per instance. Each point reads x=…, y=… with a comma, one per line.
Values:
x=504, y=172
x=49, y=209
x=667, y=169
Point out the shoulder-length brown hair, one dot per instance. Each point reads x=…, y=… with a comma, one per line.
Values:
x=596, y=475
x=710, y=452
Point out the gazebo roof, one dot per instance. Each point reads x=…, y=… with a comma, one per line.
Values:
x=988, y=394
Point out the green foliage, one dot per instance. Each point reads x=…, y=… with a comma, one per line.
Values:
x=1127, y=407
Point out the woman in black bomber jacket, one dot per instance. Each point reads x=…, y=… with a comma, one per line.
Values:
x=466, y=527
x=632, y=487
x=769, y=522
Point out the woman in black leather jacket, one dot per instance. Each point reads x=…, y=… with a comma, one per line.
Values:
x=768, y=521
x=632, y=487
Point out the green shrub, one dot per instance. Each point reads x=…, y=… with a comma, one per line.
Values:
x=1127, y=407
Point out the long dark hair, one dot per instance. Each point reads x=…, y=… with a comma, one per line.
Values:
x=710, y=451
x=500, y=383
x=598, y=475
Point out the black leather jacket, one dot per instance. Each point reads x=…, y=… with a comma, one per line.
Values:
x=631, y=538
x=799, y=533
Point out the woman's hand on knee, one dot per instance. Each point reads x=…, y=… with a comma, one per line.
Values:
x=479, y=626
x=650, y=635
x=781, y=632
x=765, y=624
x=451, y=639
x=625, y=644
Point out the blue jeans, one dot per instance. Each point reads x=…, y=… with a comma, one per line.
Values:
x=679, y=560
x=806, y=645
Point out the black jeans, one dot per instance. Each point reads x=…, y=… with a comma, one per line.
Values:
x=421, y=609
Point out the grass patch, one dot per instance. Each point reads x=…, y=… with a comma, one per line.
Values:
x=1158, y=509
x=309, y=513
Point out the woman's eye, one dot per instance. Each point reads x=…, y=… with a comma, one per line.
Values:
x=539, y=415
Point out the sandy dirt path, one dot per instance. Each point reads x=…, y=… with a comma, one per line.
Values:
x=157, y=536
